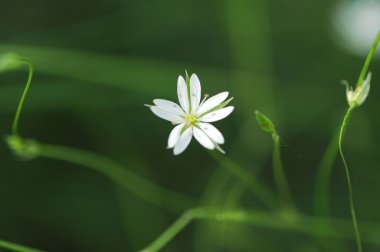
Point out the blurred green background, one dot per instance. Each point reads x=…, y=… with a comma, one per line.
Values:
x=98, y=62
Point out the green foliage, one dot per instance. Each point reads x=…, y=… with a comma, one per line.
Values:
x=95, y=67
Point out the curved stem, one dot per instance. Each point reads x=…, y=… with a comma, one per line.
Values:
x=170, y=233
x=141, y=187
x=350, y=192
x=323, y=177
x=16, y=247
x=257, y=188
x=279, y=174
x=278, y=221
x=21, y=103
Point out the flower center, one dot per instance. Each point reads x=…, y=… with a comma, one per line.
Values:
x=191, y=119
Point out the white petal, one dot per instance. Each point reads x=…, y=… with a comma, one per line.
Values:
x=217, y=115
x=169, y=106
x=212, y=102
x=183, y=141
x=203, y=139
x=183, y=97
x=166, y=115
x=212, y=132
x=174, y=135
x=195, y=91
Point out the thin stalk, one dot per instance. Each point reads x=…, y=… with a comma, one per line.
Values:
x=170, y=233
x=281, y=181
x=141, y=187
x=21, y=103
x=277, y=221
x=147, y=190
x=16, y=247
x=323, y=177
x=257, y=188
x=322, y=191
x=350, y=191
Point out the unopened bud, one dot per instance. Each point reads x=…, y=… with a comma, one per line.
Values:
x=357, y=97
x=265, y=123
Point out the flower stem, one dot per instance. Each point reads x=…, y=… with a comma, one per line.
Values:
x=171, y=232
x=16, y=247
x=187, y=217
x=278, y=221
x=350, y=191
x=322, y=191
x=147, y=190
x=21, y=103
x=141, y=187
x=279, y=174
x=323, y=176
x=260, y=190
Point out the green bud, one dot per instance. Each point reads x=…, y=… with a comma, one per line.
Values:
x=10, y=61
x=265, y=123
x=24, y=148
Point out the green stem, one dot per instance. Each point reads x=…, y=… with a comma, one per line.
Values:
x=258, y=189
x=352, y=205
x=368, y=60
x=17, y=247
x=278, y=221
x=323, y=177
x=21, y=103
x=322, y=191
x=279, y=174
x=141, y=187
x=171, y=232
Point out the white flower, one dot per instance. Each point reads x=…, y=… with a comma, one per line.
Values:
x=192, y=117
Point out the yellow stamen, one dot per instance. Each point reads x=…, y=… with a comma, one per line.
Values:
x=191, y=119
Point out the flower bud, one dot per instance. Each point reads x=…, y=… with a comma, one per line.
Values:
x=358, y=96
x=265, y=123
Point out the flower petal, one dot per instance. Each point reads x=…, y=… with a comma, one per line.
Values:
x=195, y=92
x=183, y=97
x=183, y=141
x=174, y=135
x=203, y=139
x=169, y=106
x=166, y=115
x=212, y=132
x=217, y=115
x=212, y=102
